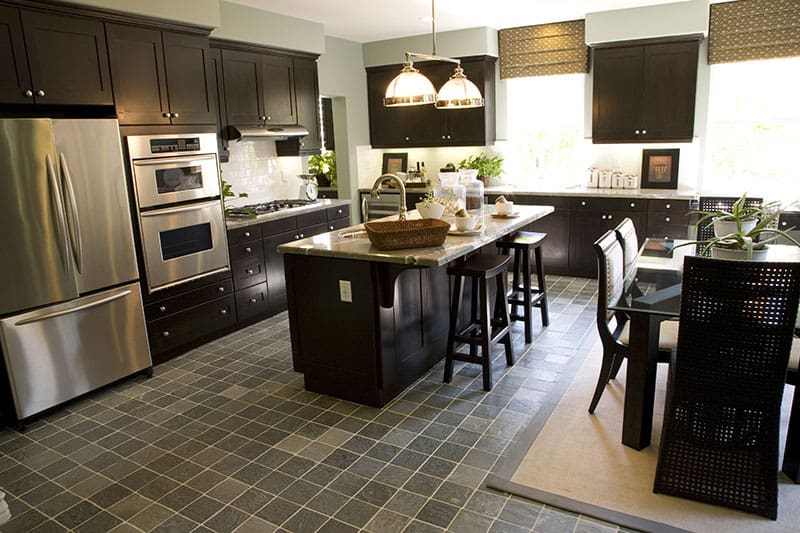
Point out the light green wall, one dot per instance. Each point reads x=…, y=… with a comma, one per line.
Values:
x=200, y=12
x=462, y=43
x=250, y=25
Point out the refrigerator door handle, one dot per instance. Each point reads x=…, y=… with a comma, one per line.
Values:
x=55, y=196
x=44, y=315
x=73, y=219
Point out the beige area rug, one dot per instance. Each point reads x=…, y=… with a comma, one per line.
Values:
x=570, y=459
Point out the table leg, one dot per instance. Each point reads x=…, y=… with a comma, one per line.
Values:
x=640, y=382
x=791, y=454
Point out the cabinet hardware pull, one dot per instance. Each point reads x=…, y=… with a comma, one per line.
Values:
x=40, y=93
x=296, y=237
x=248, y=249
x=269, y=117
x=339, y=211
x=176, y=115
x=633, y=204
x=220, y=289
x=28, y=93
x=253, y=300
x=223, y=312
x=301, y=235
x=609, y=217
x=602, y=217
x=406, y=138
x=249, y=271
x=783, y=223
x=165, y=333
x=165, y=115
x=666, y=219
x=636, y=132
x=644, y=132
x=668, y=206
x=449, y=137
x=246, y=233
x=443, y=137
x=162, y=308
x=330, y=227
x=583, y=203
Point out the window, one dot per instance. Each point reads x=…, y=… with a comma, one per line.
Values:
x=754, y=129
x=545, y=129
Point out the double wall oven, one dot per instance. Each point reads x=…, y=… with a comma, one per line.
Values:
x=180, y=212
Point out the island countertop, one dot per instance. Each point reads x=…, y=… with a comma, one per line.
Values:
x=352, y=242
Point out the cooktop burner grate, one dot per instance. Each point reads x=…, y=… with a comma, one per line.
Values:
x=268, y=207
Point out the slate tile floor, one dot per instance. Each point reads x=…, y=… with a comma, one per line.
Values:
x=225, y=438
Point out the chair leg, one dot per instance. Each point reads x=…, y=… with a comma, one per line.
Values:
x=503, y=317
x=615, y=368
x=540, y=281
x=451, y=336
x=791, y=454
x=526, y=295
x=515, y=282
x=485, y=322
x=473, y=315
x=602, y=379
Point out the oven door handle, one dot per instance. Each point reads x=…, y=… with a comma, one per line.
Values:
x=181, y=209
x=162, y=161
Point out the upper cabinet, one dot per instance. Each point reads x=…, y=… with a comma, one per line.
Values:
x=160, y=77
x=49, y=58
x=644, y=93
x=424, y=126
x=259, y=88
x=307, y=92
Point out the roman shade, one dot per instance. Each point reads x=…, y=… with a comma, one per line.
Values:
x=543, y=50
x=753, y=29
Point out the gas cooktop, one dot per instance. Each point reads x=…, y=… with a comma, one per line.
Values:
x=267, y=207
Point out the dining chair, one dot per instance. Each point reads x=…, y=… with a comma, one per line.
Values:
x=719, y=441
x=718, y=203
x=613, y=326
x=791, y=452
x=626, y=234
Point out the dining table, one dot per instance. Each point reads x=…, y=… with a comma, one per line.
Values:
x=664, y=259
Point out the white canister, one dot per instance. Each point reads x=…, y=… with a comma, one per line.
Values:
x=594, y=177
x=631, y=181
x=617, y=180
x=605, y=179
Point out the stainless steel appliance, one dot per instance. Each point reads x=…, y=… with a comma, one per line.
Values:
x=181, y=221
x=71, y=317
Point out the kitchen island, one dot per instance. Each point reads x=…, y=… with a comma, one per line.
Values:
x=367, y=323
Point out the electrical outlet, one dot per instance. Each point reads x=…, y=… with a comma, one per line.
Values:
x=345, y=291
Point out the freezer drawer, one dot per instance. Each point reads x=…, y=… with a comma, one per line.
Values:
x=57, y=353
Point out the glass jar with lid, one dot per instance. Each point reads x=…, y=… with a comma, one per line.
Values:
x=474, y=189
x=452, y=194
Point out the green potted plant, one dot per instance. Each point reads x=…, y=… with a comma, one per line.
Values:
x=431, y=206
x=487, y=167
x=227, y=192
x=323, y=166
x=743, y=232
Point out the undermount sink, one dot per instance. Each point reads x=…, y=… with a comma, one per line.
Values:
x=399, y=234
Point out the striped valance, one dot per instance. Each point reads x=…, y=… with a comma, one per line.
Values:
x=542, y=50
x=753, y=29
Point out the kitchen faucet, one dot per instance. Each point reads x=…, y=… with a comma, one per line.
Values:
x=376, y=189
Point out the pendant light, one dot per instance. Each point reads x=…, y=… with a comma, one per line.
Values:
x=411, y=87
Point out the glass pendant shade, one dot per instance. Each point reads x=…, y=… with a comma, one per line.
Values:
x=459, y=93
x=410, y=87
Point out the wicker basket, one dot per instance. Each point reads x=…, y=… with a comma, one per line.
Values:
x=398, y=234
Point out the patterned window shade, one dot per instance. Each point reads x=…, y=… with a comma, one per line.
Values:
x=753, y=29
x=542, y=50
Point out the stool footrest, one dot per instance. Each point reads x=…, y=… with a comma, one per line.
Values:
x=478, y=341
x=466, y=358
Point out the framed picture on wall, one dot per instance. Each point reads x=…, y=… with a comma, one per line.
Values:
x=396, y=162
x=660, y=168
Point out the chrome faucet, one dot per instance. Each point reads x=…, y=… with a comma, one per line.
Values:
x=376, y=189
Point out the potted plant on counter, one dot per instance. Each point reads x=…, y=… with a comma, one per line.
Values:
x=430, y=206
x=488, y=167
x=323, y=166
x=744, y=232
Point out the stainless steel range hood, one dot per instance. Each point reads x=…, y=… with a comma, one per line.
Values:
x=273, y=133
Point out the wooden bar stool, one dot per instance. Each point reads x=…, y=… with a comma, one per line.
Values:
x=482, y=330
x=523, y=293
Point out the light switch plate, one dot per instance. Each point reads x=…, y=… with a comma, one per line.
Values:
x=345, y=291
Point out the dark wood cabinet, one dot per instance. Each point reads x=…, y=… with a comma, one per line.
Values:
x=426, y=126
x=555, y=250
x=277, y=78
x=160, y=77
x=644, y=93
x=307, y=93
x=218, y=98
x=67, y=59
x=15, y=78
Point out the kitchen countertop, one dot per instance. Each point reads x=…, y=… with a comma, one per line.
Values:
x=359, y=248
x=647, y=194
x=240, y=222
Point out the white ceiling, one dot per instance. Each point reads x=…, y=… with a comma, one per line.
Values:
x=374, y=20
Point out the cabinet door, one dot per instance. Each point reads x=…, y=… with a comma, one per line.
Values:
x=306, y=88
x=278, y=87
x=617, y=93
x=586, y=227
x=137, y=68
x=15, y=79
x=68, y=59
x=218, y=99
x=389, y=127
x=276, y=279
x=242, y=73
x=188, y=79
x=668, y=96
x=467, y=127
x=555, y=250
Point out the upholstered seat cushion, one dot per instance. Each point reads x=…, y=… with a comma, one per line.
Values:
x=668, y=335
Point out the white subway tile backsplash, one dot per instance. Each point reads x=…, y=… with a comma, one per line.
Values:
x=254, y=168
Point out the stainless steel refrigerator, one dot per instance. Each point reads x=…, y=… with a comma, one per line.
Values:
x=71, y=317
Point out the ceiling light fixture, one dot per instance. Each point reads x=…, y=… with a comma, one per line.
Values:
x=411, y=87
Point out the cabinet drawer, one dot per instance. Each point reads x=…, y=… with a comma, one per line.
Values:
x=609, y=204
x=555, y=201
x=668, y=231
x=190, y=324
x=252, y=302
x=676, y=207
x=309, y=219
x=668, y=219
x=278, y=226
x=247, y=233
x=247, y=251
x=248, y=272
x=788, y=220
x=342, y=211
x=338, y=224
x=183, y=301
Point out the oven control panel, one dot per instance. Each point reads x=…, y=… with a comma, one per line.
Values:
x=174, y=144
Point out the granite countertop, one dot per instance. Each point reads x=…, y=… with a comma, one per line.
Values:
x=240, y=222
x=651, y=194
x=344, y=244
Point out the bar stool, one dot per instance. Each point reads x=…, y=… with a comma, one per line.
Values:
x=523, y=293
x=482, y=330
